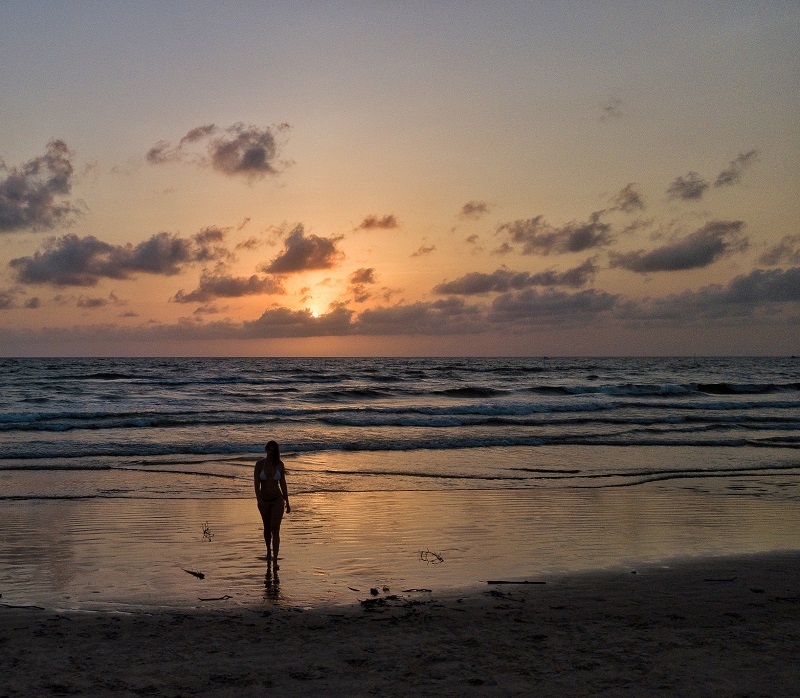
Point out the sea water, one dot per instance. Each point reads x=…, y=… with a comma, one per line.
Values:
x=118, y=475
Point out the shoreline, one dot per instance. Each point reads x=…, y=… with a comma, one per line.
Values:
x=709, y=626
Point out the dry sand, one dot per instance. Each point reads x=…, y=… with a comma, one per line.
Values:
x=720, y=627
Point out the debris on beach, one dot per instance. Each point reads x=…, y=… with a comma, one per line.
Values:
x=199, y=575
x=430, y=557
x=207, y=535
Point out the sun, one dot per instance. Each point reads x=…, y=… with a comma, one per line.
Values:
x=314, y=313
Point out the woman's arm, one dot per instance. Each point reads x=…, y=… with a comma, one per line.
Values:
x=255, y=482
x=284, y=489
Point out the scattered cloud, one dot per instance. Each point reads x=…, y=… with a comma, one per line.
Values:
x=423, y=250
x=701, y=248
x=225, y=286
x=503, y=280
x=372, y=222
x=74, y=261
x=304, y=252
x=474, y=210
x=101, y=302
x=628, y=200
x=739, y=299
x=359, y=281
x=283, y=322
x=449, y=316
x=733, y=173
x=688, y=188
x=238, y=150
x=545, y=307
x=611, y=110
x=33, y=195
x=538, y=237
x=787, y=251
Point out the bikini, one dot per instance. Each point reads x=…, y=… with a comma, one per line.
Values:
x=263, y=477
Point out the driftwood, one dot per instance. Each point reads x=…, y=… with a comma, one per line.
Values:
x=503, y=581
x=199, y=575
x=217, y=598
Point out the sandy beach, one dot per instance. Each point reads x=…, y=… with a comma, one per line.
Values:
x=713, y=627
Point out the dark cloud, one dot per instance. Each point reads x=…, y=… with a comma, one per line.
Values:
x=474, y=210
x=282, y=322
x=363, y=276
x=449, y=316
x=359, y=281
x=244, y=150
x=611, y=110
x=387, y=222
x=536, y=307
x=7, y=299
x=303, y=252
x=733, y=173
x=741, y=299
x=224, y=286
x=33, y=303
x=629, y=200
x=538, y=237
x=238, y=150
x=74, y=261
x=688, y=188
x=423, y=250
x=713, y=241
x=32, y=195
x=503, y=280
x=787, y=251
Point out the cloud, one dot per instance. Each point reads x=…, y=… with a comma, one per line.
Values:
x=449, y=316
x=238, y=150
x=741, y=298
x=503, y=280
x=474, y=210
x=371, y=222
x=224, y=286
x=538, y=237
x=363, y=276
x=359, y=280
x=628, y=200
x=733, y=173
x=536, y=307
x=32, y=195
x=282, y=322
x=7, y=299
x=787, y=251
x=688, y=188
x=303, y=252
x=74, y=261
x=713, y=241
x=612, y=109
x=91, y=303
x=423, y=250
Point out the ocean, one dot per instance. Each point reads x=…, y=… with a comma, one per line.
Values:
x=118, y=475
x=193, y=427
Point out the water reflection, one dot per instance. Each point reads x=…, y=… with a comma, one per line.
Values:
x=272, y=586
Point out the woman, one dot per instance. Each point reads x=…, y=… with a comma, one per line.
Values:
x=269, y=478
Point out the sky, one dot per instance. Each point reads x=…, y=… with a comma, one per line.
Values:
x=399, y=178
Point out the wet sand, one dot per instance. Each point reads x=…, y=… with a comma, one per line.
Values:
x=132, y=554
x=711, y=627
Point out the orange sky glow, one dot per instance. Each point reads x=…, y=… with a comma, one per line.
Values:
x=410, y=178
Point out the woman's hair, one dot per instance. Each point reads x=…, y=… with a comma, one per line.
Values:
x=274, y=448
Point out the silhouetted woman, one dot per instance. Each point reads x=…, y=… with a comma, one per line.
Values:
x=269, y=479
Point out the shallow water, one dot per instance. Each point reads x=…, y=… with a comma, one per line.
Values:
x=93, y=554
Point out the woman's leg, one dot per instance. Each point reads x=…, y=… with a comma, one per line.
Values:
x=275, y=528
x=266, y=522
